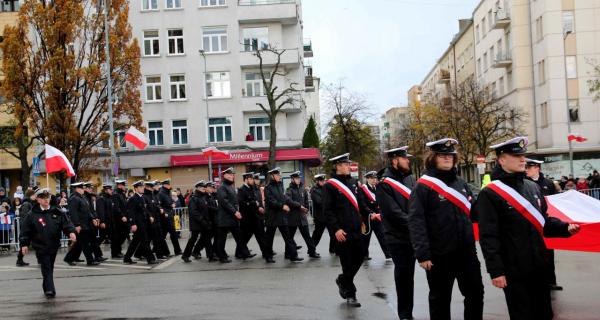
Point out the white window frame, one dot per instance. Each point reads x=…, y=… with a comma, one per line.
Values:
x=260, y=42
x=220, y=33
x=568, y=21
x=545, y=117
x=541, y=72
x=153, y=86
x=153, y=133
x=263, y=127
x=254, y=83
x=152, y=40
x=173, y=4
x=149, y=2
x=217, y=83
x=179, y=132
x=176, y=40
x=223, y=128
x=571, y=67
x=207, y=3
x=177, y=84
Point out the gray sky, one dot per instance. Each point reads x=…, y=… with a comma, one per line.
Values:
x=380, y=47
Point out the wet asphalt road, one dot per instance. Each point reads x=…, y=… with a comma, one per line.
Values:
x=254, y=290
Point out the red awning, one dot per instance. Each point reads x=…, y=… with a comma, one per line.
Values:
x=244, y=157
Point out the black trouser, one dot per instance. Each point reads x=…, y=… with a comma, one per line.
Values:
x=168, y=227
x=528, y=297
x=117, y=237
x=550, y=271
x=222, y=238
x=404, y=274
x=20, y=255
x=140, y=244
x=46, y=259
x=194, y=244
x=290, y=248
x=463, y=267
x=95, y=243
x=254, y=227
x=318, y=232
x=351, y=258
x=312, y=249
x=377, y=228
x=159, y=244
x=83, y=243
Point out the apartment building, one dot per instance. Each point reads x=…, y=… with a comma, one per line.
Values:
x=393, y=122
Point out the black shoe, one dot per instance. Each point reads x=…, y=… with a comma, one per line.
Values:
x=93, y=263
x=367, y=258
x=554, y=287
x=21, y=263
x=314, y=255
x=161, y=258
x=186, y=259
x=273, y=253
x=153, y=262
x=71, y=263
x=117, y=256
x=250, y=256
x=269, y=260
x=79, y=260
x=50, y=294
x=129, y=261
x=178, y=253
x=226, y=260
x=212, y=259
x=296, y=259
x=298, y=247
x=352, y=302
x=341, y=290
x=101, y=259
x=197, y=256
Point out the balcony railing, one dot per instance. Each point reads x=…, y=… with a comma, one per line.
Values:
x=502, y=19
x=503, y=60
x=444, y=76
x=308, y=53
x=254, y=11
x=262, y=2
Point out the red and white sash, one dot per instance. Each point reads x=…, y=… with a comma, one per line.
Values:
x=345, y=191
x=368, y=193
x=517, y=201
x=399, y=187
x=457, y=198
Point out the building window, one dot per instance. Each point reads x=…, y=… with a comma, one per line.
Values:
x=483, y=27
x=490, y=20
x=149, y=5
x=177, y=87
x=151, y=43
x=119, y=135
x=153, y=89
x=173, y=4
x=574, y=110
x=256, y=39
x=539, y=28
x=509, y=81
x=492, y=56
x=155, y=133
x=254, y=84
x=219, y=129
x=568, y=23
x=214, y=39
x=180, y=132
x=175, y=38
x=501, y=86
x=541, y=71
x=479, y=70
x=259, y=128
x=477, y=33
x=544, y=114
x=218, y=85
x=571, y=62
x=212, y=3
x=485, y=61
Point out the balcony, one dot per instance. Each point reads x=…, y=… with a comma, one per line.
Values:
x=289, y=58
x=503, y=60
x=249, y=104
x=260, y=11
x=444, y=77
x=308, y=53
x=502, y=19
x=309, y=83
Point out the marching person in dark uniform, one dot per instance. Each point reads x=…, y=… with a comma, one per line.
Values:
x=228, y=218
x=82, y=218
x=159, y=245
x=547, y=187
x=120, y=228
x=393, y=193
x=252, y=211
x=105, y=209
x=441, y=233
x=512, y=224
x=41, y=229
x=213, y=207
x=316, y=195
x=369, y=190
x=277, y=208
x=200, y=224
x=98, y=223
x=140, y=220
x=297, y=216
x=345, y=210
x=24, y=211
x=167, y=221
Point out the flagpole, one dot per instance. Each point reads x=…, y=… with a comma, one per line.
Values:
x=111, y=128
x=47, y=181
x=210, y=177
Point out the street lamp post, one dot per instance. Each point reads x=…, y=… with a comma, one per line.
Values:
x=566, y=34
x=210, y=176
x=111, y=141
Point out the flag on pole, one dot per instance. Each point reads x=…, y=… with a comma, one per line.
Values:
x=136, y=137
x=5, y=219
x=215, y=153
x=576, y=207
x=576, y=137
x=57, y=161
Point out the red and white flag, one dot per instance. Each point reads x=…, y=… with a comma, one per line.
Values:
x=5, y=219
x=136, y=137
x=56, y=161
x=215, y=153
x=576, y=137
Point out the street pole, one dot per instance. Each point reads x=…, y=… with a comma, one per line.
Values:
x=111, y=141
x=567, y=103
x=210, y=177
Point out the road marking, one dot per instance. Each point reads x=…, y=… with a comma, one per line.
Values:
x=167, y=263
x=125, y=266
x=13, y=268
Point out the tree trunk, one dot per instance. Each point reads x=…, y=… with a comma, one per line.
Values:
x=273, y=140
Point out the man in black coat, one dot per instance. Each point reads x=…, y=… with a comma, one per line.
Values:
x=121, y=224
x=200, y=224
x=277, y=208
x=105, y=209
x=41, y=229
x=228, y=218
x=167, y=222
x=252, y=211
x=297, y=216
x=98, y=222
x=369, y=190
x=83, y=220
x=213, y=208
x=159, y=245
x=316, y=196
x=345, y=210
x=393, y=193
x=512, y=240
x=24, y=211
x=140, y=221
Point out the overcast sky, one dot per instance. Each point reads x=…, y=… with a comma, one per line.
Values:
x=380, y=47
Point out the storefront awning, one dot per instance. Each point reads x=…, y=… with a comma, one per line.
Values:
x=245, y=157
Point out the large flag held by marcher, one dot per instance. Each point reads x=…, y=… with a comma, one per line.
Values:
x=56, y=161
x=576, y=207
x=136, y=137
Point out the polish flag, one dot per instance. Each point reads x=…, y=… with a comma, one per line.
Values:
x=576, y=137
x=57, y=161
x=137, y=138
x=215, y=153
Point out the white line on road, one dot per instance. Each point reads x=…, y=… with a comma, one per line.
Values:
x=167, y=263
x=125, y=266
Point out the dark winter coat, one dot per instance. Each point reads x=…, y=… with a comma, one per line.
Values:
x=198, y=209
x=228, y=205
x=42, y=228
x=299, y=197
x=275, y=198
x=316, y=195
x=340, y=213
x=80, y=211
x=394, y=206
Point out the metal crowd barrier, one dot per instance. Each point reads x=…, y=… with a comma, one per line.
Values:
x=594, y=193
x=182, y=219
